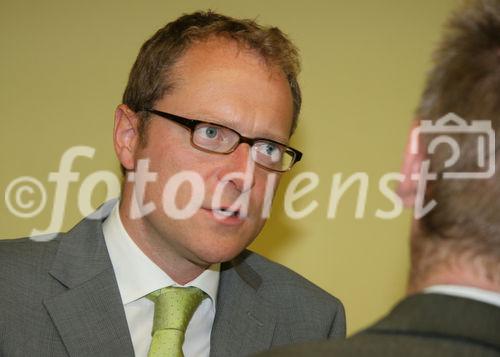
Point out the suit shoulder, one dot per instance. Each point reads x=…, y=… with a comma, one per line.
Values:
x=27, y=254
x=395, y=343
x=277, y=277
x=300, y=304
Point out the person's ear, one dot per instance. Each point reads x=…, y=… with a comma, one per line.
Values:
x=413, y=156
x=126, y=135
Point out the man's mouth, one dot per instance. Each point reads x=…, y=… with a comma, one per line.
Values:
x=225, y=212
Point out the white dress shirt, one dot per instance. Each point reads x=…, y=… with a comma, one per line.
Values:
x=468, y=292
x=137, y=276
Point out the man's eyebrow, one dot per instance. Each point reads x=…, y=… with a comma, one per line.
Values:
x=277, y=139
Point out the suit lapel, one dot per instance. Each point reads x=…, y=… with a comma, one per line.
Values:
x=89, y=315
x=244, y=322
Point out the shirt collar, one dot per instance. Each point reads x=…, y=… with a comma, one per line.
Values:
x=486, y=296
x=136, y=274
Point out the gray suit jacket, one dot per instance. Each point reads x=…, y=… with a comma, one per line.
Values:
x=424, y=325
x=60, y=298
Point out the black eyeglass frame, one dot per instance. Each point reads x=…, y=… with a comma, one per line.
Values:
x=190, y=124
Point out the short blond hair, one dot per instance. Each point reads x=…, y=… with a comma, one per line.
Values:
x=150, y=77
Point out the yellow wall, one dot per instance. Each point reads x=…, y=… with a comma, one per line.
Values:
x=64, y=65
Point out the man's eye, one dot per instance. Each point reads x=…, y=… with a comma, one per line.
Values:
x=270, y=149
x=209, y=132
x=270, y=152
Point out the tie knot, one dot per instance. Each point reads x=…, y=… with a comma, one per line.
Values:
x=174, y=307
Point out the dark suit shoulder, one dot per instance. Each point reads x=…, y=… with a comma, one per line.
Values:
x=368, y=344
x=420, y=325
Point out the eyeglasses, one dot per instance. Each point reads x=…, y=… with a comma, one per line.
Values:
x=215, y=138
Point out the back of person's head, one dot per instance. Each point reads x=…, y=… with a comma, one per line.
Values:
x=463, y=229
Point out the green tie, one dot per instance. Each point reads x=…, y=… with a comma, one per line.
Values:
x=174, y=307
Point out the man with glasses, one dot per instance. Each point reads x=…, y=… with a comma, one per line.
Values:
x=207, y=115
x=215, y=138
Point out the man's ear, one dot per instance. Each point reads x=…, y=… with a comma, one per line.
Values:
x=413, y=157
x=126, y=135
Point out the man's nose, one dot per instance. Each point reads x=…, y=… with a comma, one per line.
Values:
x=239, y=169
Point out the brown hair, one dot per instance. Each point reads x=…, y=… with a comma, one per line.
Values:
x=465, y=80
x=150, y=77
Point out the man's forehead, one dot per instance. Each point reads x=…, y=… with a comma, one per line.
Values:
x=218, y=81
x=218, y=50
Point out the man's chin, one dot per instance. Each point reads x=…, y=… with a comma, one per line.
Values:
x=220, y=254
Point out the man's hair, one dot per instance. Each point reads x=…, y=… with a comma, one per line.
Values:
x=151, y=76
x=465, y=79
